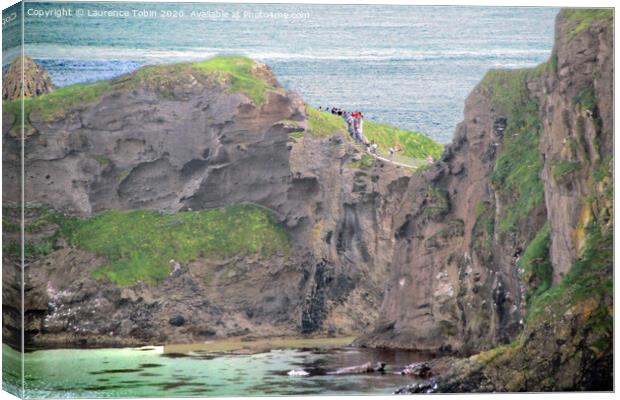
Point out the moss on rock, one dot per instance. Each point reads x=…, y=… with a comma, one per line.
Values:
x=321, y=124
x=536, y=264
x=238, y=74
x=139, y=244
x=516, y=175
x=241, y=74
x=411, y=144
x=580, y=19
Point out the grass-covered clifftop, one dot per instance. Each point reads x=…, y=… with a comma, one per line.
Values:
x=411, y=144
x=139, y=244
x=240, y=73
x=580, y=19
x=236, y=73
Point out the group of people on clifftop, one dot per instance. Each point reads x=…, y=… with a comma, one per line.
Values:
x=354, y=120
x=355, y=124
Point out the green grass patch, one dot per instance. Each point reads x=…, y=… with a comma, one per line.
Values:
x=40, y=231
x=56, y=103
x=550, y=65
x=51, y=105
x=604, y=169
x=322, y=124
x=365, y=162
x=496, y=353
x=553, y=62
x=9, y=225
x=411, y=144
x=589, y=276
x=139, y=244
x=536, y=264
x=561, y=168
x=519, y=163
x=580, y=19
x=296, y=135
x=240, y=72
x=484, y=228
x=586, y=99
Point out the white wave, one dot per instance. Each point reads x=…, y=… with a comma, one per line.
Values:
x=54, y=51
x=298, y=372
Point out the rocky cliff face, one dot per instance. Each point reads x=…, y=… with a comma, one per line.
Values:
x=502, y=248
x=498, y=263
x=577, y=116
x=180, y=138
x=456, y=285
x=25, y=73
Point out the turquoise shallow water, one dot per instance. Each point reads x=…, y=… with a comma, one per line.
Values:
x=149, y=372
x=405, y=65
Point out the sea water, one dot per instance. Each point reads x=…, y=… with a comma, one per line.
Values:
x=409, y=66
x=149, y=372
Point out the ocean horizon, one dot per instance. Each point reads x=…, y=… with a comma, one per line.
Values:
x=409, y=66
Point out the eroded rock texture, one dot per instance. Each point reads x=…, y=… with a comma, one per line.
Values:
x=502, y=247
x=24, y=72
x=566, y=306
x=174, y=139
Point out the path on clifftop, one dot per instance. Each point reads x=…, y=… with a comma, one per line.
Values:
x=404, y=161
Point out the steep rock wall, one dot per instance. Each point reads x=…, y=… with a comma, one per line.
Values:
x=478, y=241
x=577, y=113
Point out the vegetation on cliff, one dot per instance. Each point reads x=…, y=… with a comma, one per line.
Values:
x=580, y=19
x=536, y=265
x=52, y=105
x=411, y=144
x=567, y=338
x=139, y=244
x=517, y=170
x=365, y=162
x=321, y=124
x=238, y=73
x=577, y=314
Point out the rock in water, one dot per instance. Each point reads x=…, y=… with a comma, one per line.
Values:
x=417, y=369
x=35, y=78
x=360, y=369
